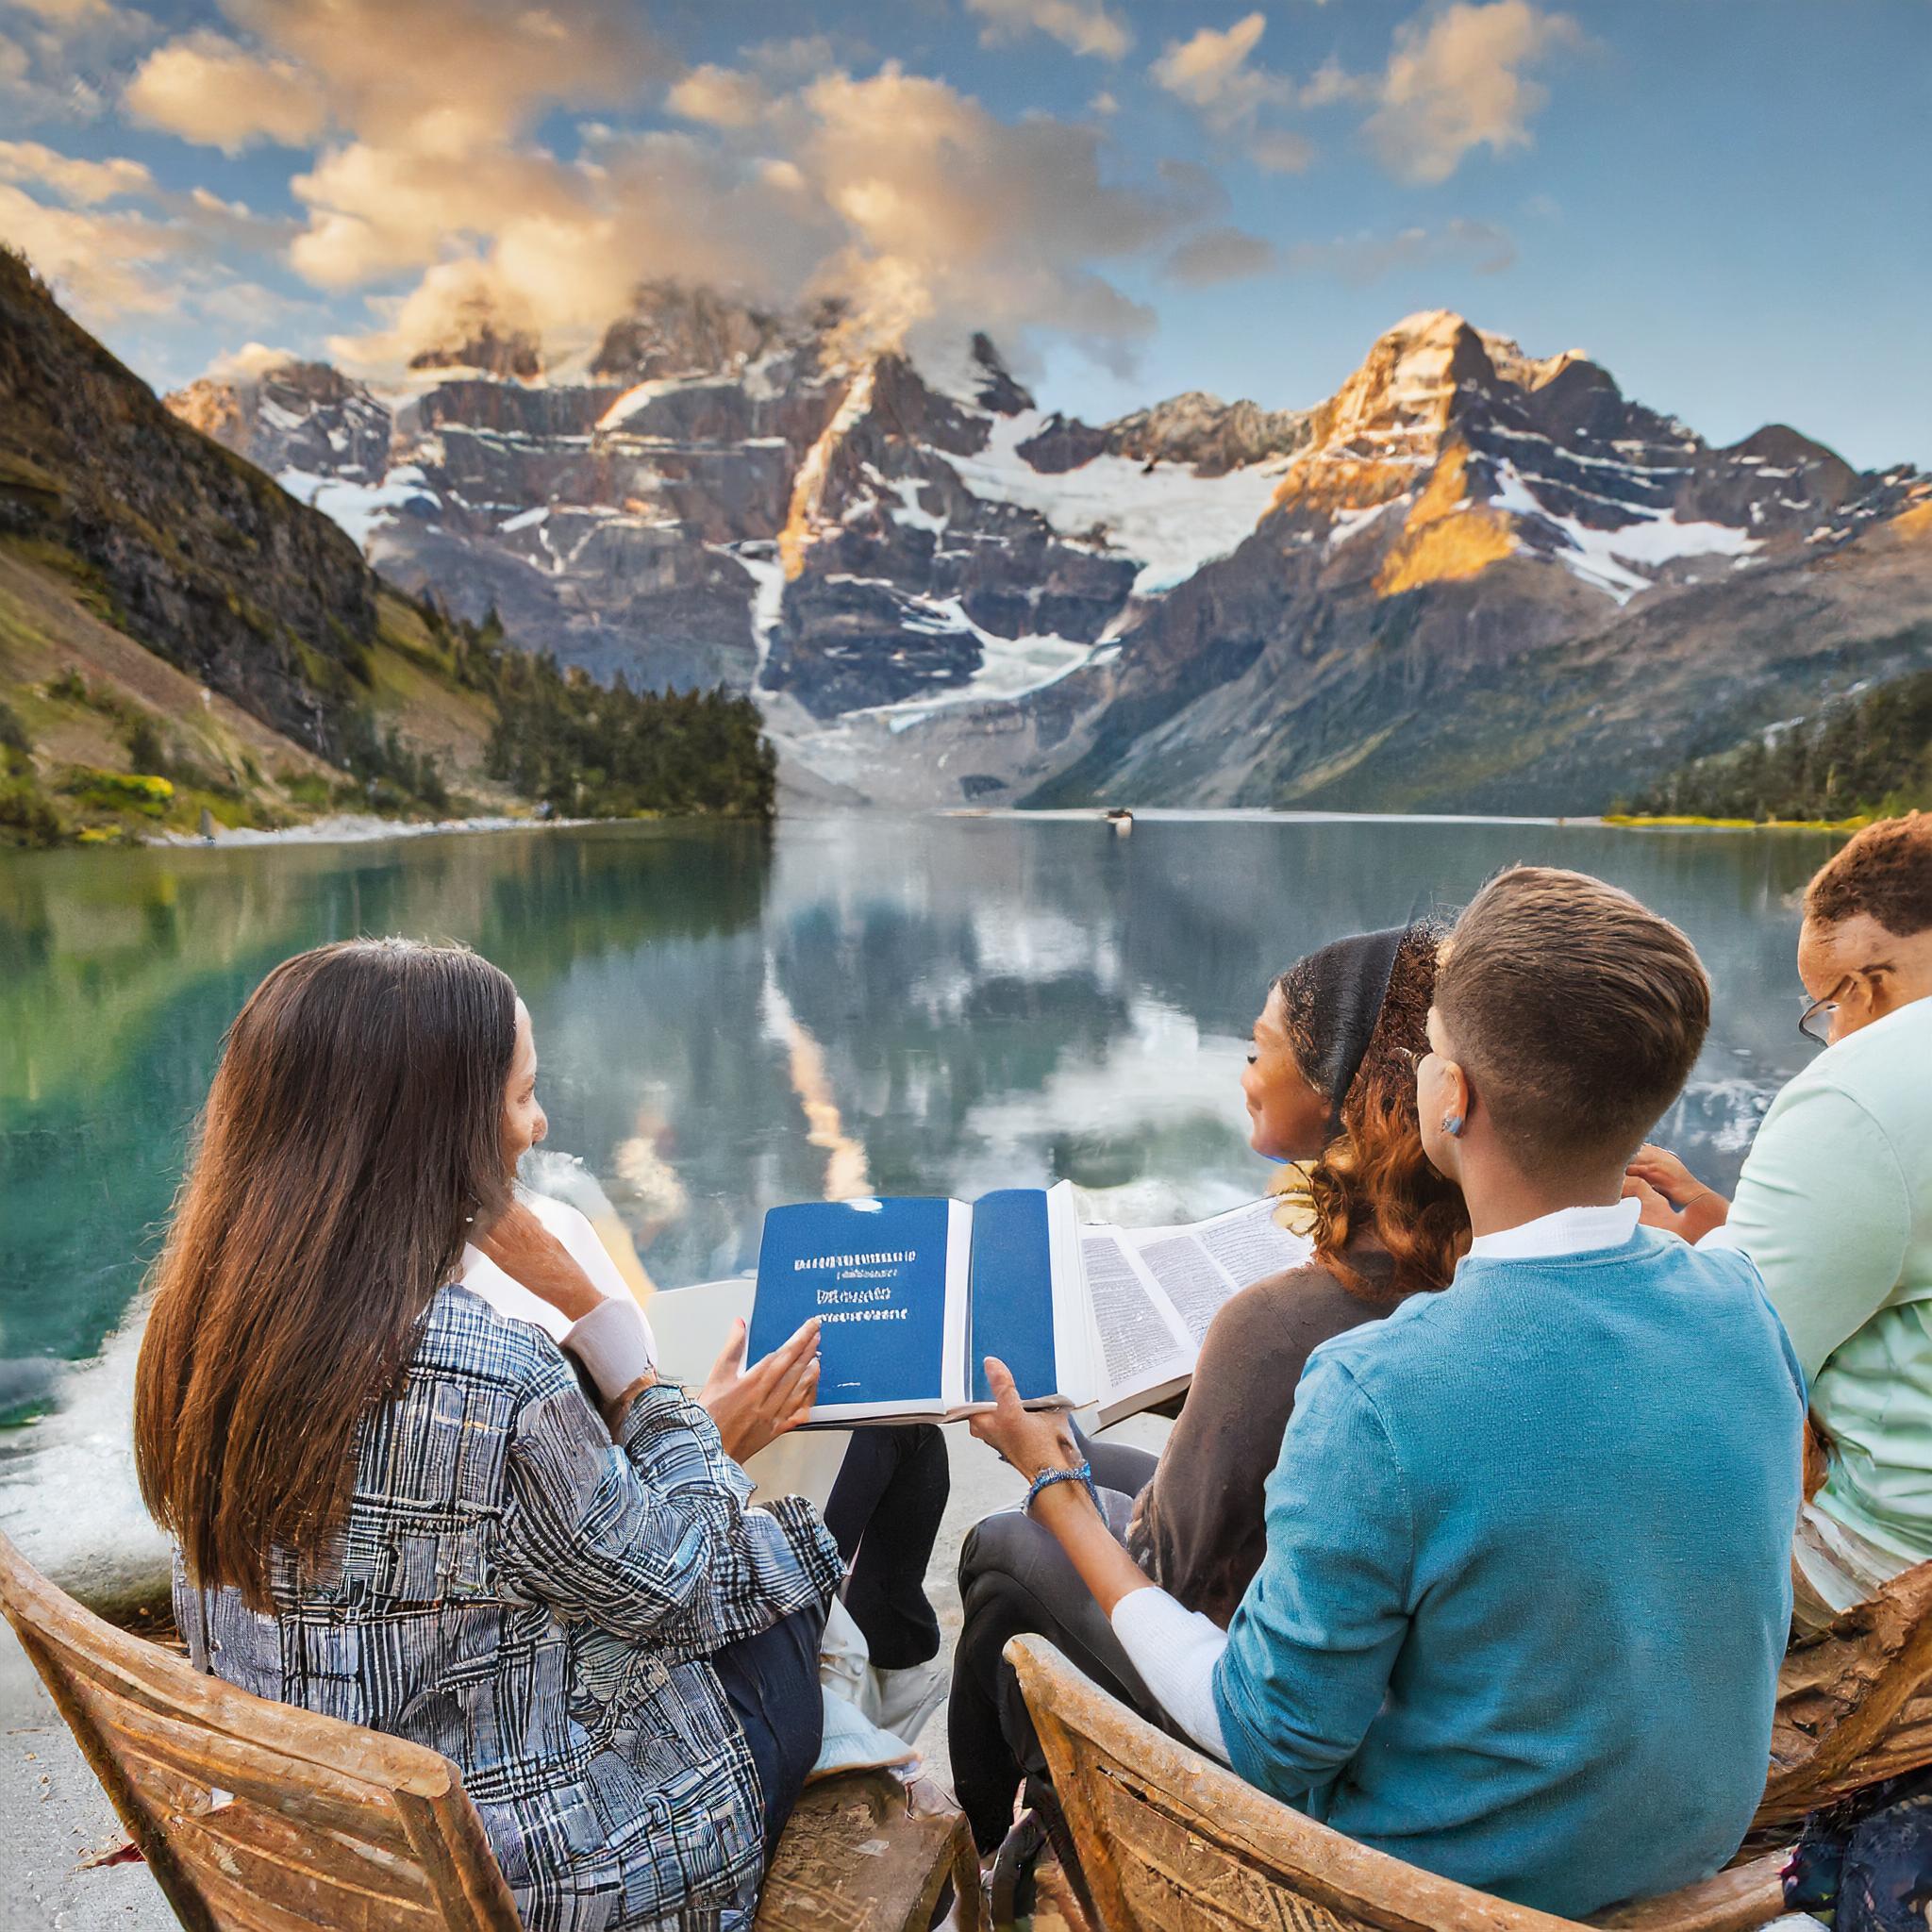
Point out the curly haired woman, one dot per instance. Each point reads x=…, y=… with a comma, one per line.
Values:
x=1329, y=1084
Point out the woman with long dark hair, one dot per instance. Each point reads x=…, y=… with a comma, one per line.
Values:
x=395, y=1506
x=1330, y=1085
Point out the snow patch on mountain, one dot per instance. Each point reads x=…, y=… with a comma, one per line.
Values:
x=1347, y=523
x=760, y=561
x=1008, y=667
x=1167, y=518
x=361, y=508
x=1603, y=558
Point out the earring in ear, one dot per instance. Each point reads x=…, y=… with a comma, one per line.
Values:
x=1452, y=1126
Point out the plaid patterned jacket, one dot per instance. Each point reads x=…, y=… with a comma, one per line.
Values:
x=515, y=1592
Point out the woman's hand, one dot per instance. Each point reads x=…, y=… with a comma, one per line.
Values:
x=1672, y=1196
x=1033, y=1442
x=754, y=1409
x=1030, y=1442
x=528, y=1253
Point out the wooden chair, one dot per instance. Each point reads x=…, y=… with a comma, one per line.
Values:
x=1854, y=1704
x=1170, y=1842
x=255, y=1817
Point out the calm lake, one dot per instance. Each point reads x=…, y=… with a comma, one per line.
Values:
x=728, y=1020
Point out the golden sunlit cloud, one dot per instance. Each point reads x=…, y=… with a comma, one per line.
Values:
x=1457, y=83
x=75, y=181
x=207, y=88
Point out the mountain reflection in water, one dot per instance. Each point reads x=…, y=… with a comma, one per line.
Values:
x=729, y=1019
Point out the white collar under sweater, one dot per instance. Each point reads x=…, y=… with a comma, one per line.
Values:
x=1568, y=1231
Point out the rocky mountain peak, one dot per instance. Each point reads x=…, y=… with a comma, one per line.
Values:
x=1211, y=436
x=288, y=415
x=675, y=330
x=996, y=390
x=478, y=338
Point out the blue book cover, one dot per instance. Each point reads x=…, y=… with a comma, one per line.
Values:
x=876, y=1275
x=1012, y=1294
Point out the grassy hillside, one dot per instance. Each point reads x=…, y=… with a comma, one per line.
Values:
x=101, y=738
x=179, y=637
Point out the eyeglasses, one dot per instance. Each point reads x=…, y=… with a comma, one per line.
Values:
x=1815, y=1022
x=1413, y=1056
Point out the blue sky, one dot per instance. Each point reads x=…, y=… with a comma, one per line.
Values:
x=1724, y=200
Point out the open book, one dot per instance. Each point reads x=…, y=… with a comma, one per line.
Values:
x=913, y=1296
x=1153, y=1291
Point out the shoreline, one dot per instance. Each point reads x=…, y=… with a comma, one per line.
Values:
x=357, y=828
x=360, y=829
x=1644, y=822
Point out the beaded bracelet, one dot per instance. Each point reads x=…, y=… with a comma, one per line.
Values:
x=1047, y=1478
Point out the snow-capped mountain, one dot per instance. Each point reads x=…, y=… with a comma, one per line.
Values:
x=940, y=592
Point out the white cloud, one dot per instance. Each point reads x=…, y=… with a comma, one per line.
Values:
x=71, y=13
x=1209, y=70
x=1358, y=259
x=722, y=96
x=206, y=88
x=1220, y=255
x=1084, y=25
x=1280, y=151
x=1457, y=81
x=74, y=180
x=438, y=77
x=893, y=190
x=172, y=254
x=424, y=180
x=1455, y=78
x=1214, y=73
x=102, y=264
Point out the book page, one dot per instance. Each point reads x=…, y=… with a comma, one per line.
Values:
x=1195, y=1281
x=1142, y=1338
x=1251, y=1244
x=1074, y=1348
x=1202, y=1266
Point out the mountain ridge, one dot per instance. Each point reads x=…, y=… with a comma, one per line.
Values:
x=940, y=594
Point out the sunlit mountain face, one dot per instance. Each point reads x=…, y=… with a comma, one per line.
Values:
x=1472, y=576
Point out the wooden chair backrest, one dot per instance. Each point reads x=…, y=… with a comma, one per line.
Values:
x=1170, y=1842
x=1854, y=1702
x=255, y=1817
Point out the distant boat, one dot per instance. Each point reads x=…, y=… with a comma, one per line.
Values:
x=1121, y=819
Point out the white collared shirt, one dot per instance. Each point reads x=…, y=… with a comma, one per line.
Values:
x=1568, y=1231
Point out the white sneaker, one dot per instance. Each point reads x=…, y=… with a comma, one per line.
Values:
x=902, y=1701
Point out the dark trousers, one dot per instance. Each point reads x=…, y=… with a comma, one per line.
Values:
x=884, y=1513
x=772, y=1684
x=1015, y=1580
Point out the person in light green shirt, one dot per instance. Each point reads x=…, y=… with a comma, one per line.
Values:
x=1835, y=1206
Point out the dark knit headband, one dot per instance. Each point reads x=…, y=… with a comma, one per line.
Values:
x=1340, y=990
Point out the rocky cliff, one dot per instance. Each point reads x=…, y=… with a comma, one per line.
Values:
x=1472, y=577
x=176, y=632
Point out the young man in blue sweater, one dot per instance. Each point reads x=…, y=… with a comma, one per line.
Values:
x=1526, y=1586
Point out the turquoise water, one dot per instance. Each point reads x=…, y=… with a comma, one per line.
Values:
x=729, y=1019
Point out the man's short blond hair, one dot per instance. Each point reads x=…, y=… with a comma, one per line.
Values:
x=1577, y=1013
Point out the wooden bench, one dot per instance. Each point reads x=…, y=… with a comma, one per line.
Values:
x=255, y=1817
x=1170, y=1842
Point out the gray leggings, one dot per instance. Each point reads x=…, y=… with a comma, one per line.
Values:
x=1016, y=1580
